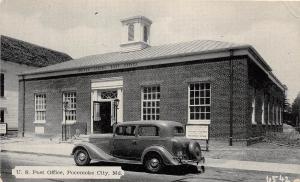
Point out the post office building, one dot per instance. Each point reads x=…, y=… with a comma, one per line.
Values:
x=227, y=86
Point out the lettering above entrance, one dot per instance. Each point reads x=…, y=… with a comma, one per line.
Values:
x=107, y=83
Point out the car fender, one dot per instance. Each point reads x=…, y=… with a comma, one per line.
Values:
x=93, y=151
x=166, y=156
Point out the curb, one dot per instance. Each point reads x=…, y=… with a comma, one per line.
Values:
x=23, y=152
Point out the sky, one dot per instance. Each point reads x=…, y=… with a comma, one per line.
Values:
x=74, y=27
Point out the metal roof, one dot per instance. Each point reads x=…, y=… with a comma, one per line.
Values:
x=149, y=53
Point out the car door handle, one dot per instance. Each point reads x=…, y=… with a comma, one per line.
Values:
x=134, y=142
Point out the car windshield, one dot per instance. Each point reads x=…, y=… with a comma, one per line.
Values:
x=178, y=131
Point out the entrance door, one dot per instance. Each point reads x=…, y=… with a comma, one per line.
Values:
x=102, y=117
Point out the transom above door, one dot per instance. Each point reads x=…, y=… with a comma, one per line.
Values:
x=107, y=94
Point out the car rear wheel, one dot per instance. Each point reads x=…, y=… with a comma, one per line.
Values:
x=81, y=157
x=153, y=163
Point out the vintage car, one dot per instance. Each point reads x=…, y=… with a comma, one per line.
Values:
x=155, y=144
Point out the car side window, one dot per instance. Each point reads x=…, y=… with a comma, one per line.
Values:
x=126, y=130
x=148, y=131
x=178, y=131
x=129, y=131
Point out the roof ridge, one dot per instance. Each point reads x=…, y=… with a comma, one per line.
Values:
x=161, y=45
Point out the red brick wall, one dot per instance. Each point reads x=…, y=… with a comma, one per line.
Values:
x=173, y=80
x=261, y=85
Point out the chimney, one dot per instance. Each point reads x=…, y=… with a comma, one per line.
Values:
x=135, y=33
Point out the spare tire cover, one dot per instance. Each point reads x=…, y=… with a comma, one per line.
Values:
x=195, y=150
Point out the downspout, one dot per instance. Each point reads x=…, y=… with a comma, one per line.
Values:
x=231, y=98
x=23, y=122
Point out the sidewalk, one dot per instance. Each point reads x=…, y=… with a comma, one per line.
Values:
x=213, y=157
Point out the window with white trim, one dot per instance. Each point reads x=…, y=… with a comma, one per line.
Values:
x=277, y=115
x=263, y=111
x=151, y=103
x=280, y=116
x=40, y=107
x=253, y=111
x=269, y=112
x=69, y=113
x=199, y=102
x=273, y=113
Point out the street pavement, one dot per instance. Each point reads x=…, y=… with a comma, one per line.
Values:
x=47, y=147
x=136, y=173
x=43, y=152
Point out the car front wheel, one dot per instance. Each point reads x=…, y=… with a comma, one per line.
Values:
x=81, y=157
x=153, y=163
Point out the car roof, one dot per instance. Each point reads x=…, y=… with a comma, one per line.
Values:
x=162, y=123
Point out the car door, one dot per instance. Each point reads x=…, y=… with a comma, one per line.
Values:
x=123, y=141
x=147, y=135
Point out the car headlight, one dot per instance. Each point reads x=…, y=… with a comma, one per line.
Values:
x=179, y=154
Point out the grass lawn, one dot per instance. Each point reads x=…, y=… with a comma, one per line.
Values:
x=277, y=147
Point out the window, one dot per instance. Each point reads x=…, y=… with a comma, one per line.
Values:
x=277, y=115
x=273, y=113
x=2, y=116
x=280, y=116
x=148, y=131
x=70, y=112
x=263, y=111
x=130, y=32
x=269, y=112
x=1, y=85
x=126, y=130
x=109, y=94
x=40, y=107
x=145, y=34
x=199, y=102
x=253, y=111
x=151, y=103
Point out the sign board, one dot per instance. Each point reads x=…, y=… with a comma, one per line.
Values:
x=199, y=132
x=3, y=128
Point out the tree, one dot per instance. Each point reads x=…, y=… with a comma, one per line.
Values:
x=296, y=110
x=287, y=111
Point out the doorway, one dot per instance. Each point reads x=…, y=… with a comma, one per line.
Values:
x=102, y=117
x=104, y=111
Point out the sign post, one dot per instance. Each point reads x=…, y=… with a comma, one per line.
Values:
x=3, y=128
x=198, y=132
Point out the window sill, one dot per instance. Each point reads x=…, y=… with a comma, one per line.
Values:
x=199, y=122
x=39, y=122
x=69, y=122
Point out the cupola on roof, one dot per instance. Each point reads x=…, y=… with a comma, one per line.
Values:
x=135, y=33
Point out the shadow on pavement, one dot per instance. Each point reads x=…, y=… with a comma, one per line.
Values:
x=168, y=170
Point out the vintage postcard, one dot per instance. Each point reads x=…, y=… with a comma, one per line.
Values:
x=149, y=90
